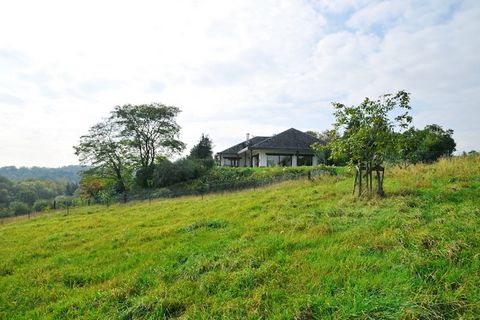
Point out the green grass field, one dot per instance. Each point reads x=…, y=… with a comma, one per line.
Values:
x=296, y=250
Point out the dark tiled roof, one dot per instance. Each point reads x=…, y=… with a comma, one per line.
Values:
x=243, y=145
x=291, y=139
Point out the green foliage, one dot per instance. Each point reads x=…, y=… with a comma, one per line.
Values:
x=70, y=188
x=19, y=208
x=228, y=178
x=426, y=145
x=368, y=128
x=104, y=150
x=42, y=205
x=296, y=250
x=436, y=143
x=67, y=173
x=28, y=193
x=150, y=130
x=167, y=173
x=369, y=132
x=323, y=150
x=131, y=140
x=27, y=196
x=92, y=186
x=65, y=201
x=203, y=149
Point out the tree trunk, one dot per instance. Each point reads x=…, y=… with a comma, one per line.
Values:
x=360, y=186
x=380, y=174
x=356, y=178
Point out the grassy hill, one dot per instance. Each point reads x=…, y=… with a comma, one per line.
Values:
x=300, y=249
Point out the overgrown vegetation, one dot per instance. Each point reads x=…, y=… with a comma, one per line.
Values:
x=304, y=250
x=23, y=197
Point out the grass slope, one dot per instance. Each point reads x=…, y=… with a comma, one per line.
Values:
x=295, y=250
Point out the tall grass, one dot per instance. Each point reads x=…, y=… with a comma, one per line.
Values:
x=296, y=250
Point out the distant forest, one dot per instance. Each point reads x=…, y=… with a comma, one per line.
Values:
x=65, y=174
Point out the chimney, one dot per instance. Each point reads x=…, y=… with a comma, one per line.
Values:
x=248, y=136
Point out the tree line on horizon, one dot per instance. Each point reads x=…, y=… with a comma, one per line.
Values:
x=26, y=196
x=69, y=173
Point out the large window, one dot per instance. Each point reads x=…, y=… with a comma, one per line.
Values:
x=230, y=162
x=281, y=160
x=304, y=160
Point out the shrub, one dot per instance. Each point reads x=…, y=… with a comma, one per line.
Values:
x=41, y=205
x=4, y=212
x=143, y=176
x=167, y=173
x=64, y=201
x=19, y=208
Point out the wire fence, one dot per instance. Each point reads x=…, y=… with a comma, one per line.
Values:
x=200, y=190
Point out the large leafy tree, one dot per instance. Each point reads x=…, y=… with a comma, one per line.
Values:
x=436, y=143
x=104, y=149
x=423, y=145
x=150, y=130
x=369, y=135
x=131, y=139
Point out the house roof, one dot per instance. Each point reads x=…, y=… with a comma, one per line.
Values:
x=291, y=139
x=242, y=145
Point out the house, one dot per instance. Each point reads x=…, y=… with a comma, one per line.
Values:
x=289, y=148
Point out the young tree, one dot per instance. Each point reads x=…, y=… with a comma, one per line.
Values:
x=369, y=135
x=203, y=149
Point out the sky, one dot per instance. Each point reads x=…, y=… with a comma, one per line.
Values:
x=232, y=67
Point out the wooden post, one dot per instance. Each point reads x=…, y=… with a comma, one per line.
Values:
x=356, y=178
x=360, y=189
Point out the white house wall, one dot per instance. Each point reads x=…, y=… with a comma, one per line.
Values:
x=262, y=158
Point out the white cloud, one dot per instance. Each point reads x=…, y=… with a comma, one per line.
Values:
x=232, y=67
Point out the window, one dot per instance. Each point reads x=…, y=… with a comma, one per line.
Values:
x=282, y=160
x=230, y=162
x=304, y=160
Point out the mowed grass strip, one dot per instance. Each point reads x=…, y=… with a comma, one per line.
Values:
x=302, y=249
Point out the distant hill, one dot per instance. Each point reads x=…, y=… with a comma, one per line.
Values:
x=67, y=173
